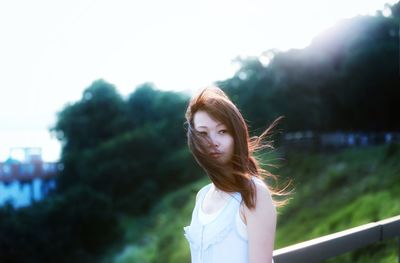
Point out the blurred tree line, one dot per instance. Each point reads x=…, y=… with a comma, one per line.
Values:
x=127, y=150
x=348, y=78
x=121, y=155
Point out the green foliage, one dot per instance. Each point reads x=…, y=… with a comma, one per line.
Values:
x=131, y=168
x=161, y=231
x=353, y=188
x=100, y=115
x=120, y=157
x=111, y=144
x=148, y=105
x=347, y=79
x=54, y=227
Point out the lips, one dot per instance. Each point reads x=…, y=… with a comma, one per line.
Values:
x=216, y=154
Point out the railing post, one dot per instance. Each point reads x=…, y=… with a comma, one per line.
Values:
x=398, y=249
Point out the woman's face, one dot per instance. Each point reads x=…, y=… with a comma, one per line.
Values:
x=221, y=141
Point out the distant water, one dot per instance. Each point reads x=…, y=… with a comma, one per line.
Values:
x=23, y=194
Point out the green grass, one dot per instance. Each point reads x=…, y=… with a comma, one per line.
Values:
x=160, y=234
x=333, y=192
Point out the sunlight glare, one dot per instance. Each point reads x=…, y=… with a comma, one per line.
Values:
x=387, y=11
x=266, y=57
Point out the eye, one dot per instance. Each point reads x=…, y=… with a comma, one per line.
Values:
x=223, y=131
x=202, y=133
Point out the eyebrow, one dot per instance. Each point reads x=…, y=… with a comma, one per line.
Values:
x=220, y=124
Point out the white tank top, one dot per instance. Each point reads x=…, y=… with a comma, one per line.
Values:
x=217, y=237
x=205, y=218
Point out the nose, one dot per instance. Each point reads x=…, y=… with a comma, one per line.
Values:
x=214, y=142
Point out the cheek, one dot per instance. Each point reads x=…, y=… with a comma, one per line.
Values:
x=230, y=144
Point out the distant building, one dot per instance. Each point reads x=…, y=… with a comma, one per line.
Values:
x=29, y=168
x=26, y=178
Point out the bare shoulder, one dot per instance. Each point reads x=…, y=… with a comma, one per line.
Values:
x=263, y=193
x=264, y=205
x=261, y=225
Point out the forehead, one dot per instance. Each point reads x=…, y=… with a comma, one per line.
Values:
x=202, y=119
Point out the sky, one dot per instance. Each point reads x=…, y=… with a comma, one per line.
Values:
x=50, y=51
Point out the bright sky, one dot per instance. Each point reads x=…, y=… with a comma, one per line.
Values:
x=50, y=51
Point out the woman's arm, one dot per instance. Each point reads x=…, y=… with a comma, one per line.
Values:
x=261, y=224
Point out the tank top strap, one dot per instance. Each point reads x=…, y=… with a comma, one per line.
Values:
x=202, y=193
x=200, y=196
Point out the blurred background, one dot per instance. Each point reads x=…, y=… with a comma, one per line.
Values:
x=94, y=165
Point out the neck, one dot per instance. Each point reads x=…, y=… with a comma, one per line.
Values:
x=218, y=192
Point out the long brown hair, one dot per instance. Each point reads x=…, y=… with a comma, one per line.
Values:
x=237, y=174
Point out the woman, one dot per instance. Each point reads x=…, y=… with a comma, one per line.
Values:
x=234, y=218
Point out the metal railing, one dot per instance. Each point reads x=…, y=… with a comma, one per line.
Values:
x=325, y=247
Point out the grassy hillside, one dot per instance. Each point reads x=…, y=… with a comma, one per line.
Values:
x=333, y=192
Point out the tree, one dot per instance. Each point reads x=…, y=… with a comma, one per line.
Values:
x=100, y=115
